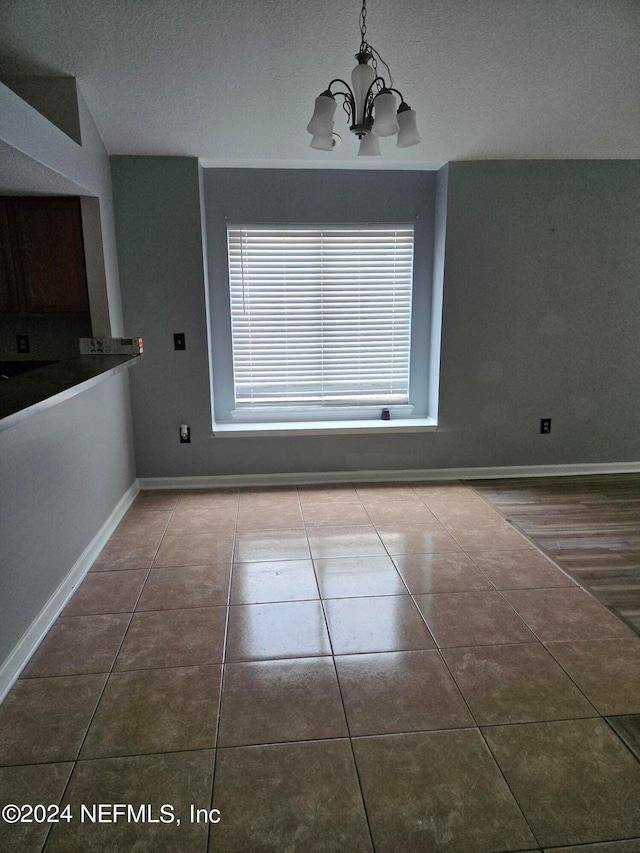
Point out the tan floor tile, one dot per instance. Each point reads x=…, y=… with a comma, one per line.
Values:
x=280, y=700
x=380, y=624
x=177, y=779
x=574, y=780
x=106, y=592
x=45, y=719
x=344, y=493
x=410, y=538
x=261, y=545
x=293, y=796
x=196, y=549
x=449, y=571
x=334, y=513
x=630, y=846
x=141, y=523
x=76, y=645
x=437, y=791
x=412, y=512
x=285, y=630
x=214, y=499
x=220, y=523
x=275, y=580
x=607, y=671
x=445, y=490
x=270, y=517
x=350, y=577
x=155, y=710
x=371, y=685
x=472, y=514
x=162, y=638
x=376, y=493
x=515, y=684
x=472, y=619
x=156, y=499
x=519, y=569
x=496, y=536
x=348, y=541
x=127, y=553
x=187, y=586
x=628, y=728
x=32, y=784
x=269, y=496
x=565, y=614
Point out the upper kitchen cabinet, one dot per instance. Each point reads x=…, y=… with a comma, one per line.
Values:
x=8, y=294
x=43, y=256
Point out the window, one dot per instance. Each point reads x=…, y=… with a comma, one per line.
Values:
x=264, y=379
x=321, y=319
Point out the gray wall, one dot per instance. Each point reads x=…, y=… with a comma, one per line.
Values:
x=540, y=318
x=542, y=312
x=157, y=204
x=62, y=472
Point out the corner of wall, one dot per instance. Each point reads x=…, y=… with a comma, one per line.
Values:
x=439, y=241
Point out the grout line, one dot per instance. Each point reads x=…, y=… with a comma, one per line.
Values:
x=344, y=712
x=222, y=673
x=510, y=789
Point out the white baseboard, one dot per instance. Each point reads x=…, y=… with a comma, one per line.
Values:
x=312, y=478
x=33, y=636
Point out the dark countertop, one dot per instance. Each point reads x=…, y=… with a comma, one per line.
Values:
x=28, y=393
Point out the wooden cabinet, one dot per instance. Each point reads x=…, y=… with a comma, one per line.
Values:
x=8, y=295
x=42, y=265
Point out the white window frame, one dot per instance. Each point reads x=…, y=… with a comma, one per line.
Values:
x=283, y=421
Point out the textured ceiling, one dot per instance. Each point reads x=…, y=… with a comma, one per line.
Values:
x=233, y=81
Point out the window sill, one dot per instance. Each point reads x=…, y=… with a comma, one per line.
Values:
x=247, y=430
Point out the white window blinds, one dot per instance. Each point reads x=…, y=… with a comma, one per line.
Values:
x=321, y=316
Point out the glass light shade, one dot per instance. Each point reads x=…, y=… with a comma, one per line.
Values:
x=384, y=111
x=369, y=146
x=408, y=134
x=362, y=77
x=321, y=123
x=323, y=143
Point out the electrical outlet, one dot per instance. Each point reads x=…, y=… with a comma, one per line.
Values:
x=179, y=341
x=22, y=342
x=545, y=426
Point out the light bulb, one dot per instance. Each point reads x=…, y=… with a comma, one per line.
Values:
x=369, y=146
x=322, y=143
x=322, y=119
x=408, y=133
x=384, y=110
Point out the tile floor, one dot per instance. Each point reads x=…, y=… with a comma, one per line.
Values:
x=351, y=668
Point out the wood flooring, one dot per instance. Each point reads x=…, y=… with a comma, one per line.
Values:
x=589, y=525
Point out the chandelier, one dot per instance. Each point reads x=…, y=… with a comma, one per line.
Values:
x=370, y=104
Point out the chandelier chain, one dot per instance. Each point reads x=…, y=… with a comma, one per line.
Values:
x=363, y=26
x=366, y=47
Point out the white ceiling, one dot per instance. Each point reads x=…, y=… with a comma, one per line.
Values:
x=234, y=82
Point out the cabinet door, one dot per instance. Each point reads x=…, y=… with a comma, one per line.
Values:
x=49, y=255
x=8, y=294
